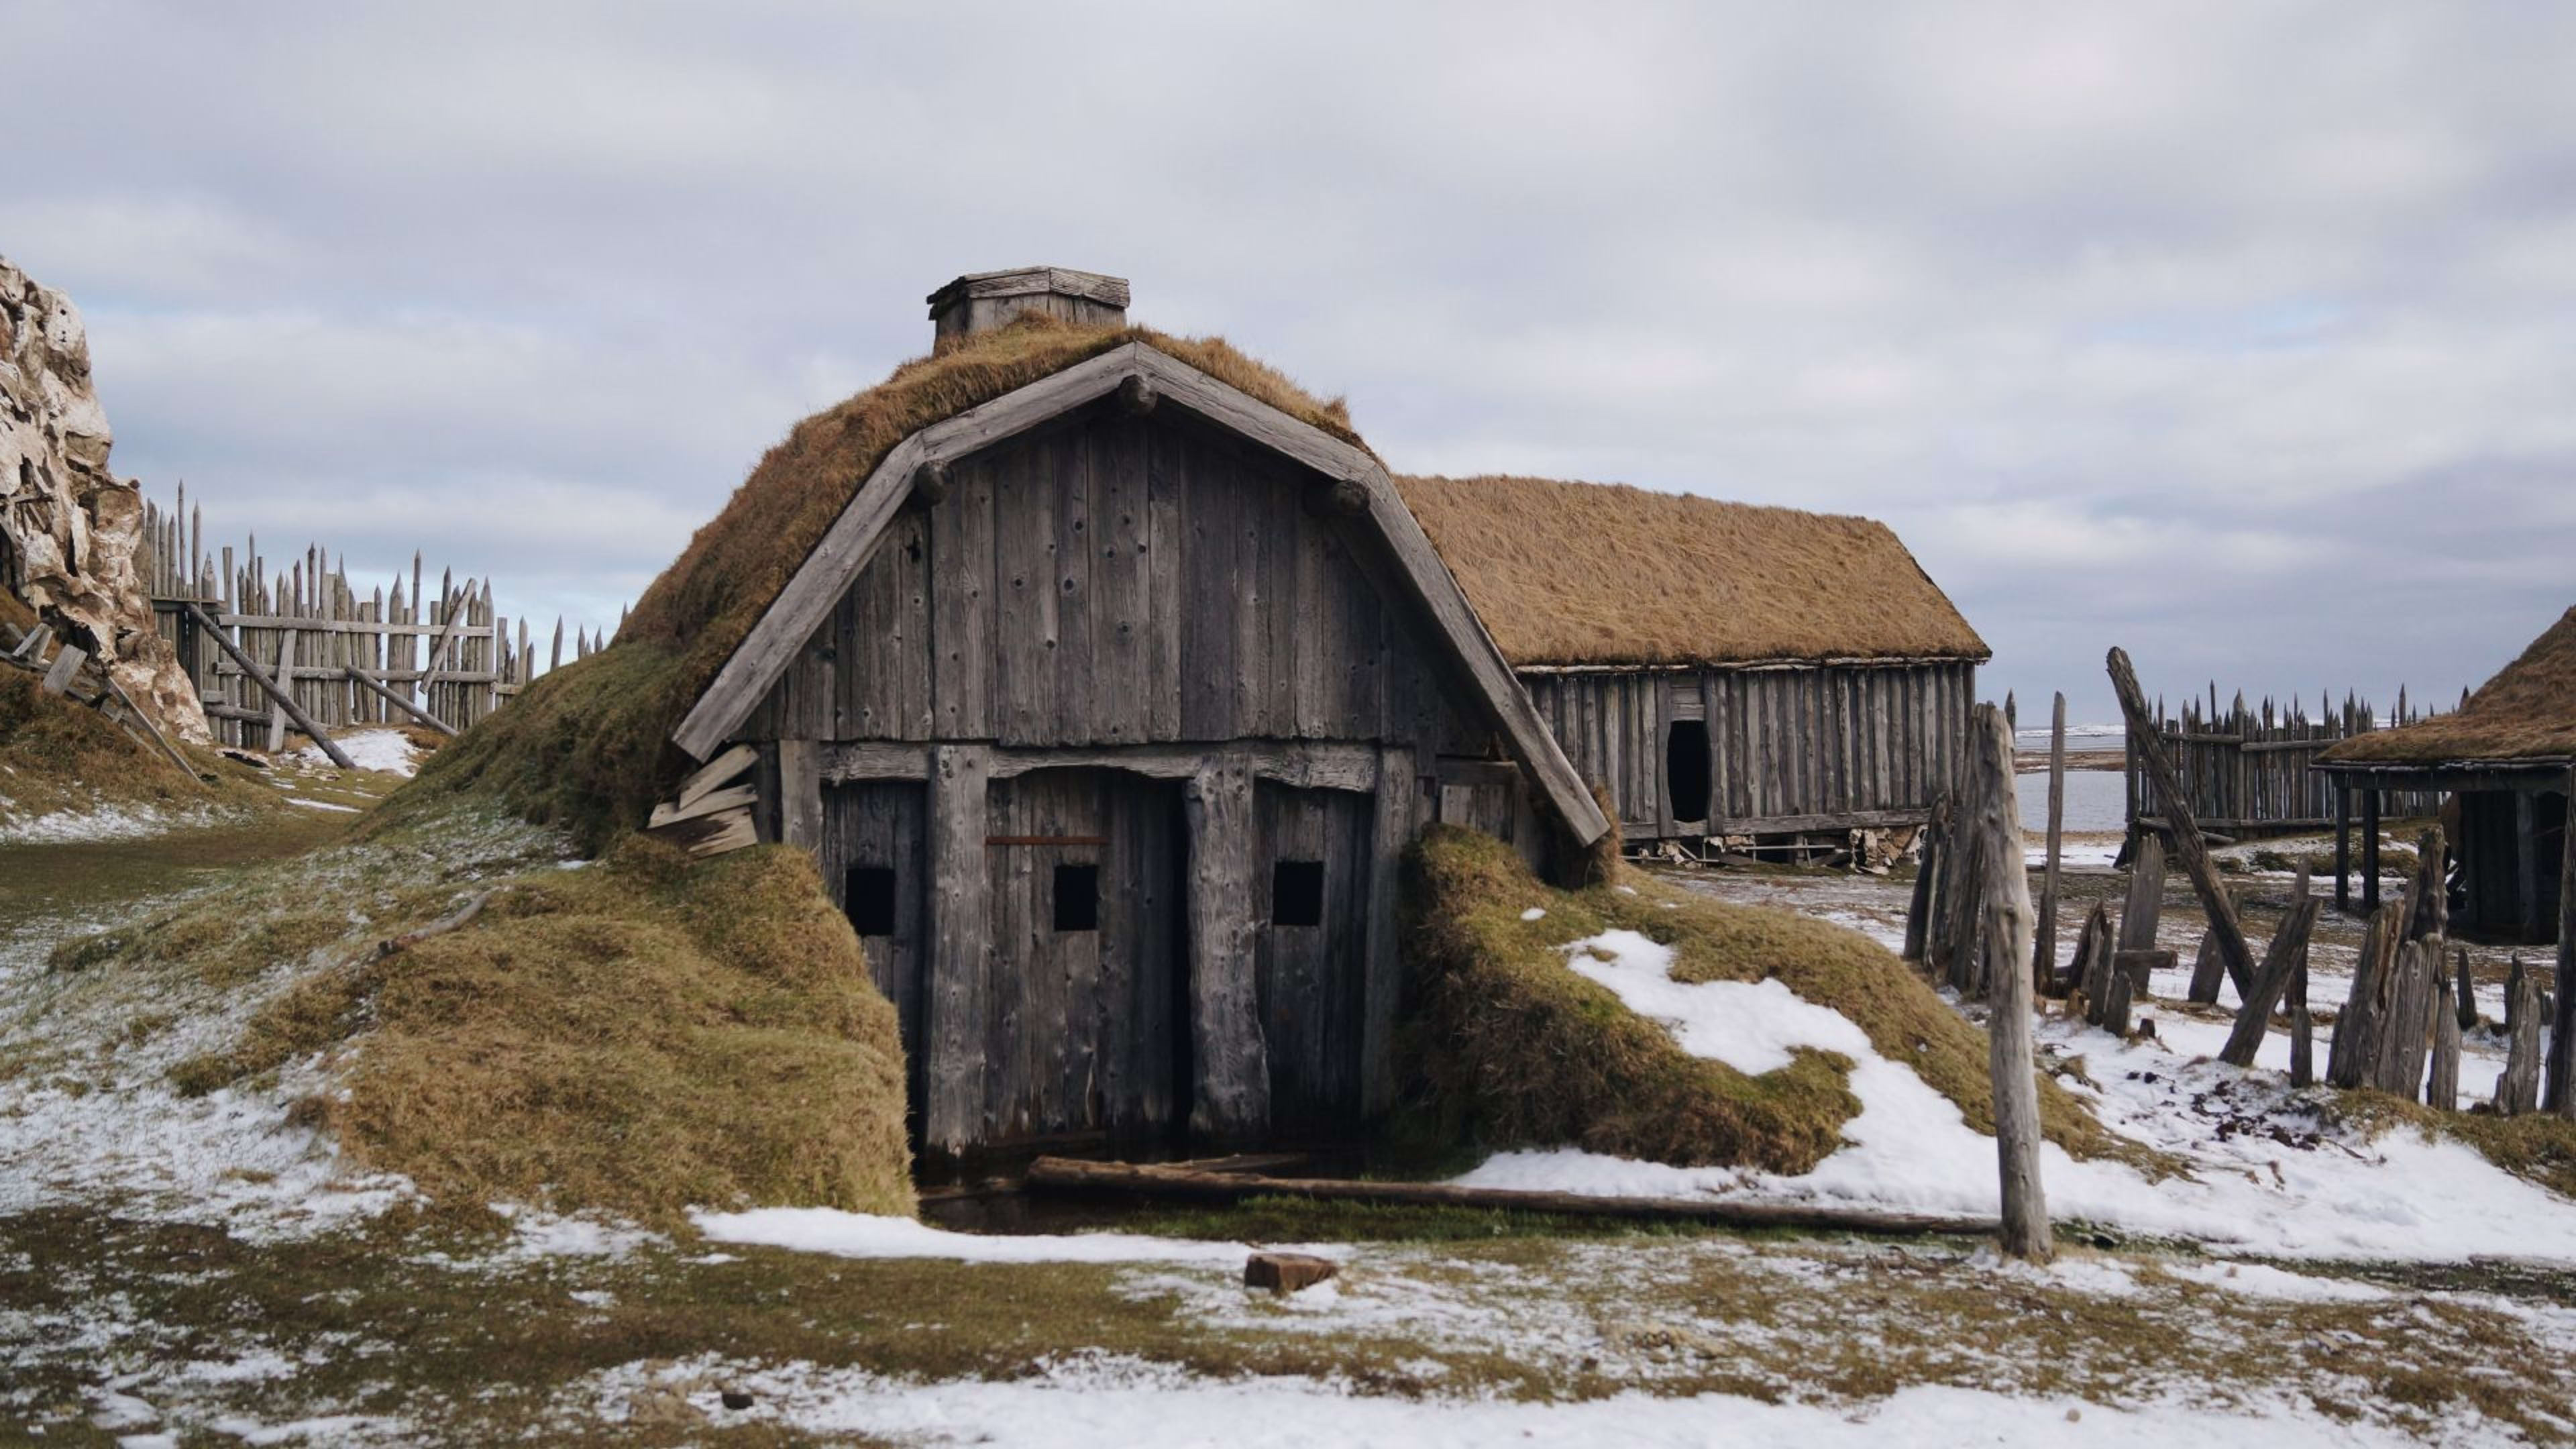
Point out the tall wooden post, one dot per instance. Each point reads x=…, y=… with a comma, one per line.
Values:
x=1231, y=1067
x=2008, y=929
x=954, y=1000
x=2561, y=1080
x=2043, y=963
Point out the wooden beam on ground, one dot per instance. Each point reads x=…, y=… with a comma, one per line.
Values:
x=2187, y=841
x=1064, y=1174
x=366, y=681
x=2008, y=932
x=293, y=710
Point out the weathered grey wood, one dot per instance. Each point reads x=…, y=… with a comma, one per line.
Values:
x=2442, y=1091
x=2281, y=961
x=2094, y=961
x=67, y=662
x=2518, y=1090
x=1065, y=1174
x=800, y=794
x=2146, y=897
x=1927, y=874
x=715, y=774
x=2044, y=962
x=285, y=677
x=2207, y=971
x=1450, y=612
x=2408, y=1034
x=670, y=813
x=368, y=682
x=1393, y=808
x=294, y=711
x=2025, y=1231
x=2465, y=996
x=1230, y=1070
x=2186, y=835
x=955, y=992
x=2343, y=846
x=2119, y=994
x=711, y=833
x=2303, y=1031
x=2560, y=1096
x=2362, y=1026
x=1319, y=765
x=819, y=582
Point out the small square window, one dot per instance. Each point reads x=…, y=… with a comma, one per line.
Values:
x=1077, y=898
x=1297, y=893
x=869, y=890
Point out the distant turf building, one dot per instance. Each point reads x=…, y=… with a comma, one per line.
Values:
x=2507, y=754
x=1123, y=673
x=1725, y=670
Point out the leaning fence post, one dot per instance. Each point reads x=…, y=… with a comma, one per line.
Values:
x=2008, y=934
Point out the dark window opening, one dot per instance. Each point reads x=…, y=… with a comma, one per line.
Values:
x=869, y=892
x=1297, y=893
x=1686, y=769
x=1077, y=898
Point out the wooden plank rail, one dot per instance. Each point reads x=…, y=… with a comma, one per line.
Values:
x=2244, y=768
x=1065, y=1174
x=431, y=650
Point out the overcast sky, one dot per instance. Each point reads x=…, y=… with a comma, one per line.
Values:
x=2242, y=335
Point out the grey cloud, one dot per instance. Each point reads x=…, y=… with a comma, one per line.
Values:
x=2234, y=334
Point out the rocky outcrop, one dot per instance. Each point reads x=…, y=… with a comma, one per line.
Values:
x=69, y=529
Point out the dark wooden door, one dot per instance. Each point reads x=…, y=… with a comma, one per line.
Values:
x=873, y=863
x=1087, y=1032
x=1311, y=884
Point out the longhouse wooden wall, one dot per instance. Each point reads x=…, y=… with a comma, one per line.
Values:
x=1816, y=747
x=1110, y=750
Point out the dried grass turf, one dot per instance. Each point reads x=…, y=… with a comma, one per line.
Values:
x=1514, y=1048
x=1590, y=573
x=639, y=1036
x=2527, y=712
x=56, y=754
x=587, y=747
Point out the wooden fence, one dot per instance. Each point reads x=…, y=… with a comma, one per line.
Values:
x=439, y=646
x=2245, y=772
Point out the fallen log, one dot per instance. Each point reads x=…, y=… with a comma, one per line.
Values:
x=1066, y=1174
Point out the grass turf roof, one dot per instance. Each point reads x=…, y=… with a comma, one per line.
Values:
x=1607, y=574
x=588, y=746
x=2527, y=712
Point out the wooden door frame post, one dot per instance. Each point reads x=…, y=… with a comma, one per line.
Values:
x=2560, y=1080
x=2343, y=847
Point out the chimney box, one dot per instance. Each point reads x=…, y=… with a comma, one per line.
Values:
x=982, y=301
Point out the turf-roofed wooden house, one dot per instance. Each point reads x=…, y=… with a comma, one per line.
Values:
x=1728, y=671
x=1109, y=704
x=2506, y=755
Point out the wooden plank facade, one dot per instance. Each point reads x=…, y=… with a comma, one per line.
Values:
x=1109, y=747
x=1773, y=750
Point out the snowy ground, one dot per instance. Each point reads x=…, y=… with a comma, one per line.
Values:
x=166, y=1269
x=2268, y=1177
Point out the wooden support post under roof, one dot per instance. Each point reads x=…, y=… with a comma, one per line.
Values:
x=1231, y=1097
x=954, y=992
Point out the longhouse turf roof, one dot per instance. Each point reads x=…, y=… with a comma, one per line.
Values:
x=1604, y=574
x=588, y=746
x=2527, y=712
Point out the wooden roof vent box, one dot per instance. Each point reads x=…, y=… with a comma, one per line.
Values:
x=982, y=301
